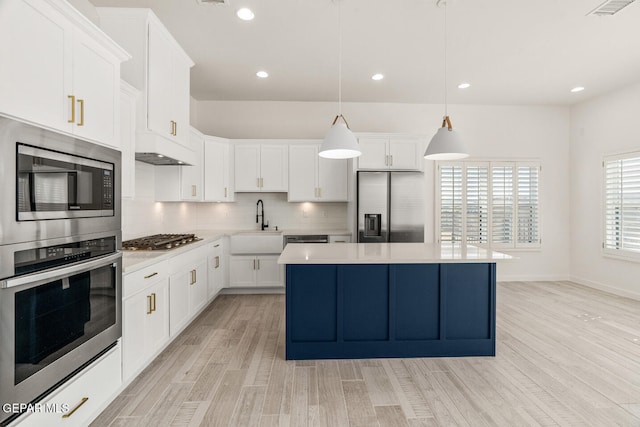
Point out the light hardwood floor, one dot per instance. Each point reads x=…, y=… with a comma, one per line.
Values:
x=566, y=355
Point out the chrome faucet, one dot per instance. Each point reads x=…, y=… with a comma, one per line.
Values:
x=261, y=214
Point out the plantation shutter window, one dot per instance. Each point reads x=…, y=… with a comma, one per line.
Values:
x=622, y=205
x=491, y=204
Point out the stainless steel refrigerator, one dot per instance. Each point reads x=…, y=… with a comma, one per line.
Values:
x=391, y=207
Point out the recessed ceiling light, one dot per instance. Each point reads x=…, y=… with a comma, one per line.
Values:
x=377, y=77
x=160, y=155
x=262, y=74
x=577, y=89
x=464, y=85
x=245, y=14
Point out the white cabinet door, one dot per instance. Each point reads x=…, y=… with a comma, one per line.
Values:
x=269, y=272
x=181, y=98
x=332, y=180
x=198, y=288
x=128, y=105
x=374, y=153
x=135, y=310
x=160, y=83
x=274, y=168
x=217, y=177
x=145, y=326
x=404, y=154
x=179, y=300
x=242, y=270
x=191, y=176
x=215, y=275
x=303, y=164
x=96, y=86
x=35, y=52
x=247, y=168
x=157, y=327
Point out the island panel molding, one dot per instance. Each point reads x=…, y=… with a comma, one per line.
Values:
x=349, y=311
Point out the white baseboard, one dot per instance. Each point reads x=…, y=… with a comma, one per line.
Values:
x=531, y=278
x=605, y=288
x=252, y=291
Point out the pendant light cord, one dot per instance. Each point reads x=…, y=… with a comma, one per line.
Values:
x=446, y=113
x=339, y=58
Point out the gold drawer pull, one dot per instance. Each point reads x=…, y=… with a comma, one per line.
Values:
x=151, y=275
x=154, y=302
x=217, y=262
x=82, y=402
x=149, y=299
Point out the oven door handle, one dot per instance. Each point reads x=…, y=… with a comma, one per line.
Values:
x=59, y=273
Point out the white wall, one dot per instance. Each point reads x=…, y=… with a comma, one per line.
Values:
x=505, y=132
x=602, y=126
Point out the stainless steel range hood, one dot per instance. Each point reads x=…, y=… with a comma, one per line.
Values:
x=157, y=150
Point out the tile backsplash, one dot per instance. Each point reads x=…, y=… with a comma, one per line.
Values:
x=143, y=216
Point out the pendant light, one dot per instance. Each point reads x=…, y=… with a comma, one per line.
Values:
x=339, y=142
x=446, y=144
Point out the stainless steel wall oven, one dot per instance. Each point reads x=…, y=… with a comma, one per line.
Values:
x=60, y=259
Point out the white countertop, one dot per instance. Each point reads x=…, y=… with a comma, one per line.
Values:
x=136, y=260
x=387, y=253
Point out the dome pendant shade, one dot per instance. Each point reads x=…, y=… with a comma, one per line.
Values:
x=446, y=144
x=339, y=142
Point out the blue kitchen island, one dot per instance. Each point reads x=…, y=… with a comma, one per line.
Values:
x=371, y=300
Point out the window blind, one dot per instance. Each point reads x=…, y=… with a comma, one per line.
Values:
x=451, y=203
x=622, y=204
x=493, y=204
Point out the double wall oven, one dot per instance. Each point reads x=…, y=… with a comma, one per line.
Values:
x=60, y=259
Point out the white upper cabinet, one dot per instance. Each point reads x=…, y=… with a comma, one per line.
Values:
x=191, y=176
x=261, y=167
x=59, y=70
x=160, y=69
x=390, y=153
x=313, y=178
x=218, y=170
x=183, y=183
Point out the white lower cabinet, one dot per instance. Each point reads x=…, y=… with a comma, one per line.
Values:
x=215, y=276
x=255, y=271
x=79, y=401
x=187, y=288
x=145, y=318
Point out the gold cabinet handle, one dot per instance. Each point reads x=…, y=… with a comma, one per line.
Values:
x=258, y=182
x=73, y=109
x=154, y=302
x=225, y=192
x=175, y=128
x=82, y=402
x=254, y=264
x=217, y=262
x=151, y=275
x=81, y=102
x=320, y=192
x=258, y=264
x=261, y=182
x=193, y=190
x=194, y=277
x=391, y=160
x=149, y=310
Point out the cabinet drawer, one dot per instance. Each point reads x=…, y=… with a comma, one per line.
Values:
x=94, y=386
x=138, y=280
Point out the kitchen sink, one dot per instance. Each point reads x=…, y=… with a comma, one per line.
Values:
x=256, y=242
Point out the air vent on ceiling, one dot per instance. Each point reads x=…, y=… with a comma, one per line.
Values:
x=610, y=7
x=216, y=2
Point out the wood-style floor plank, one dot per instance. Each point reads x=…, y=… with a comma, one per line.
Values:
x=566, y=355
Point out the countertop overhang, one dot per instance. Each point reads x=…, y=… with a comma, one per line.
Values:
x=388, y=253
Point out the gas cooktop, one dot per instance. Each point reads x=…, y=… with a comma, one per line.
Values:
x=159, y=241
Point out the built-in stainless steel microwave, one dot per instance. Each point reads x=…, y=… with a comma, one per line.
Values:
x=54, y=185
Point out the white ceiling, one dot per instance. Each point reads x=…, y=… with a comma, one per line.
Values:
x=511, y=51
